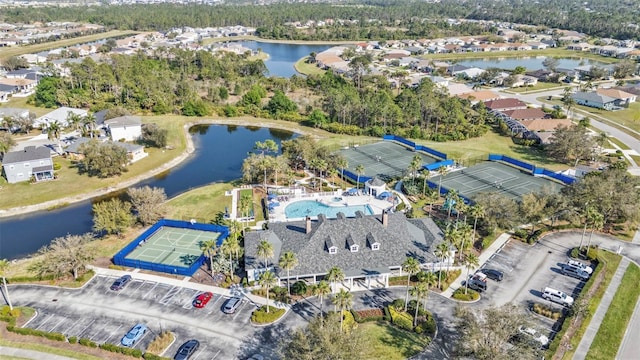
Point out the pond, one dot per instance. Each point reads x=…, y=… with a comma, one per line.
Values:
x=219, y=152
x=282, y=57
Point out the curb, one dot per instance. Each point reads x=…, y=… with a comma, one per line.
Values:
x=168, y=346
x=286, y=311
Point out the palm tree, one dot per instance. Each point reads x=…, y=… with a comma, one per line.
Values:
x=359, y=171
x=246, y=201
x=602, y=138
x=420, y=291
x=88, y=125
x=4, y=266
x=74, y=120
x=452, y=236
x=332, y=173
x=414, y=166
x=477, y=211
x=464, y=232
x=334, y=276
x=287, y=262
x=411, y=266
x=470, y=262
x=209, y=248
x=231, y=247
x=342, y=299
x=427, y=277
x=432, y=197
x=342, y=163
x=596, y=219
x=442, y=171
x=265, y=251
x=53, y=133
x=321, y=290
x=440, y=252
x=453, y=199
x=267, y=280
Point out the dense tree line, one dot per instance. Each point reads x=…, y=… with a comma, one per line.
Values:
x=379, y=19
x=200, y=83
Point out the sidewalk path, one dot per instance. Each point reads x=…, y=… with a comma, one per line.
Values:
x=629, y=346
x=483, y=258
x=30, y=354
x=596, y=320
x=184, y=282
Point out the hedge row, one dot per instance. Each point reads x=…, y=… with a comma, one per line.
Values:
x=471, y=294
x=27, y=331
x=367, y=315
x=121, y=350
x=260, y=316
x=401, y=320
x=150, y=356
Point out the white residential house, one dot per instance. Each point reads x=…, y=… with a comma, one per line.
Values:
x=27, y=163
x=60, y=115
x=128, y=128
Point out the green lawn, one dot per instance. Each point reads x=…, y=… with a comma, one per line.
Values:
x=619, y=143
x=612, y=261
x=553, y=52
x=202, y=203
x=609, y=337
x=305, y=68
x=27, y=49
x=541, y=86
x=384, y=341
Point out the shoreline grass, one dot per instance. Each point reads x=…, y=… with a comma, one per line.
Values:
x=304, y=68
x=607, y=341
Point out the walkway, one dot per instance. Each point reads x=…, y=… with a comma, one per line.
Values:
x=596, y=320
x=30, y=354
x=486, y=254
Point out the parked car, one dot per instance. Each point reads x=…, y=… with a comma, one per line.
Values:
x=121, y=282
x=493, y=274
x=478, y=282
x=534, y=335
x=232, y=305
x=134, y=335
x=557, y=296
x=187, y=350
x=202, y=299
x=575, y=272
x=581, y=266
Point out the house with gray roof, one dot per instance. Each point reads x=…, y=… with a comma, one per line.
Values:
x=59, y=115
x=135, y=152
x=31, y=162
x=128, y=128
x=595, y=100
x=367, y=248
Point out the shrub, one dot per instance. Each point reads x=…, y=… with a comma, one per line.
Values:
x=401, y=206
x=348, y=321
x=361, y=316
x=161, y=342
x=34, y=332
x=575, y=253
x=387, y=314
x=260, y=316
x=520, y=234
x=401, y=319
x=121, y=350
x=469, y=296
x=299, y=288
x=398, y=304
x=150, y=356
x=73, y=340
x=546, y=311
x=87, y=342
x=57, y=166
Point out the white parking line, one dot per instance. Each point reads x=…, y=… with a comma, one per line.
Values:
x=216, y=355
x=150, y=291
x=45, y=321
x=166, y=299
x=140, y=340
x=57, y=324
x=239, y=309
x=111, y=333
x=93, y=337
x=138, y=288
x=86, y=327
x=200, y=352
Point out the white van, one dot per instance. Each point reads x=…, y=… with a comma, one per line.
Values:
x=578, y=265
x=557, y=296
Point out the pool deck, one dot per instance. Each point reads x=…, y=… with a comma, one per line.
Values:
x=377, y=205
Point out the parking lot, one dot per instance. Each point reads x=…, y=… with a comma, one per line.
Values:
x=527, y=271
x=106, y=324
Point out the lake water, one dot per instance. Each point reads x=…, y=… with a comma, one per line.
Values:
x=530, y=63
x=282, y=57
x=219, y=152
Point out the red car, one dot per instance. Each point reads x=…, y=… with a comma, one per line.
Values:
x=202, y=299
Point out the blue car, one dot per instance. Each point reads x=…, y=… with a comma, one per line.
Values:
x=134, y=335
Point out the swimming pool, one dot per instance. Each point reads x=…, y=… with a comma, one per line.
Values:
x=300, y=209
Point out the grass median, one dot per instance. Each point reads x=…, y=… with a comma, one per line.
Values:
x=612, y=329
x=385, y=341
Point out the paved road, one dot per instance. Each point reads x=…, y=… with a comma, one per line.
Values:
x=30, y=354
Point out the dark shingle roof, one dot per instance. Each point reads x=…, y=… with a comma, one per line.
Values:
x=29, y=153
x=399, y=239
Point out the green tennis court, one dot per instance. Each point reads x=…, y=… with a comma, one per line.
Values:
x=384, y=159
x=490, y=176
x=172, y=246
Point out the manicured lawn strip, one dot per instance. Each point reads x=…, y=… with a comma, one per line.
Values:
x=34, y=48
x=636, y=158
x=617, y=142
x=612, y=329
x=201, y=204
x=609, y=265
x=48, y=350
x=305, y=68
x=385, y=341
x=541, y=86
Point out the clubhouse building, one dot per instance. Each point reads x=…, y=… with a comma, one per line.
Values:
x=367, y=248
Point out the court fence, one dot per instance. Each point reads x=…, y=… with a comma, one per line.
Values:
x=438, y=165
x=354, y=177
x=121, y=260
x=415, y=147
x=567, y=180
